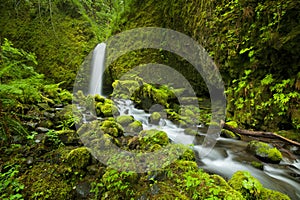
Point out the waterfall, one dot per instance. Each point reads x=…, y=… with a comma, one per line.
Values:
x=97, y=69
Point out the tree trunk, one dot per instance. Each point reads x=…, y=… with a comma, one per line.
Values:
x=259, y=134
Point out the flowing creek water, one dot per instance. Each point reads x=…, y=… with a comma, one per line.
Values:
x=228, y=155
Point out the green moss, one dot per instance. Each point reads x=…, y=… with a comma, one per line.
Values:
x=151, y=137
x=46, y=181
x=155, y=118
x=135, y=127
x=229, y=134
x=273, y=195
x=99, y=98
x=124, y=89
x=233, y=124
x=249, y=186
x=78, y=158
x=257, y=165
x=265, y=151
x=106, y=109
x=68, y=137
x=112, y=128
x=125, y=120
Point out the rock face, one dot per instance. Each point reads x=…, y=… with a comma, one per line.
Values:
x=264, y=151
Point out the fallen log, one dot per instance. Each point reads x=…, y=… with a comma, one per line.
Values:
x=259, y=134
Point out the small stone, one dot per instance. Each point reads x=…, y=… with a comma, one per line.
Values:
x=42, y=130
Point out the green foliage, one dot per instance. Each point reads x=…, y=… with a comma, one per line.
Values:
x=249, y=186
x=19, y=82
x=61, y=33
x=118, y=184
x=10, y=187
x=248, y=100
x=10, y=127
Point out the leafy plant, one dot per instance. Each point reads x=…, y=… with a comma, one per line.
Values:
x=10, y=187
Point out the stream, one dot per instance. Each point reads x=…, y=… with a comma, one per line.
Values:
x=228, y=155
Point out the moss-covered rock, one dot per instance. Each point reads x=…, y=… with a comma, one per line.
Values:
x=112, y=128
x=68, y=137
x=99, y=98
x=155, y=118
x=124, y=89
x=125, y=120
x=229, y=134
x=106, y=109
x=135, y=127
x=251, y=188
x=78, y=158
x=257, y=165
x=264, y=151
x=150, y=137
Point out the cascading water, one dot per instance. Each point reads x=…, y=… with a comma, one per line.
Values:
x=97, y=69
x=228, y=155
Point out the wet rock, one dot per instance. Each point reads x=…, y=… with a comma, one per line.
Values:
x=49, y=115
x=125, y=120
x=135, y=127
x=82, y=190
x=42, y=130
x=58, y=106
x=29, y=160
x=155, y=118
x=31, y=125
x=264, y=151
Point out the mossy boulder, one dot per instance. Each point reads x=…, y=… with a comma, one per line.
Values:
x=124, y=89
x=257, y=165
x=99, y=98
x=78, y=158
x=155, y=118
x=106, y=109
x=264, y=151
x=125, y=120
x=68, y=137
x=251, y=188
x=112, y=128
x=229, y=134
x=151, y=137
x=135, y=127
